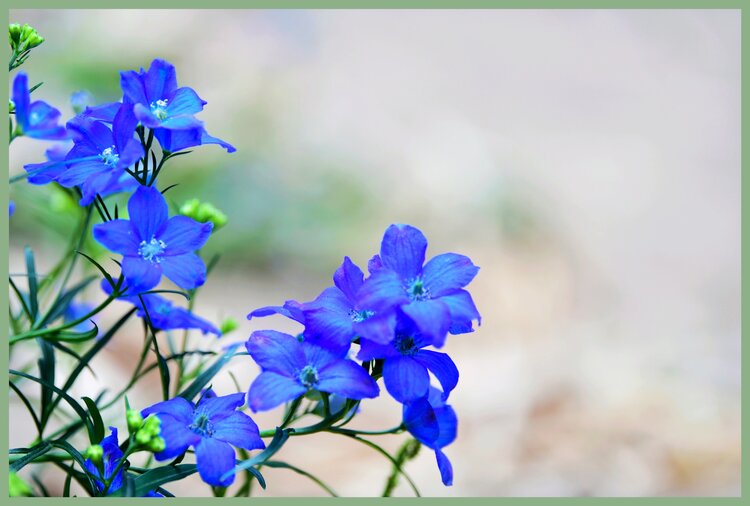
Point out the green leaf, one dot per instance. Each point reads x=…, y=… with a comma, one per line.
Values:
x=47, y=374
x=28, y=405
x=154, y=478
x=80, y=459
x=33, y=292
x=63, y=301
x=22, y=298
x=202, y=380
x=96, y=417
x=33, y=453
x=101, y=269
x=279, y=438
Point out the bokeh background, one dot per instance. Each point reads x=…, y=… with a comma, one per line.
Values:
x=588, y=161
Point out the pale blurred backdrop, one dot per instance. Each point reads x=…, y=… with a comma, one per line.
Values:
x=588, y=161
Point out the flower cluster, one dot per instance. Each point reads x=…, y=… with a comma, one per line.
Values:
x=394, y=316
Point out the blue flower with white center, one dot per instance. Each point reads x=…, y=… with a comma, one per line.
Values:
x=430, y=294
x=164, y=314
x=291, y=368
x=406, y=365
x=434, y=424
x=158, y=102
x=153, y=244
x=110, y=460
x=212, y=427
x=35, y=119
x=334, y=318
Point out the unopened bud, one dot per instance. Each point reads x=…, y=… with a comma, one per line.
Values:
x=95, y=453
x=152, y=425
x=134, y=419
x=29, y=38
x=228, y=325
x=204, y=212
x=156, y=445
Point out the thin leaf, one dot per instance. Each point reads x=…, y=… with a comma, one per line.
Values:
x=63, y=301
x=101, y=269
x=154, y=478
x=96, y=417
x=279, y=438
x=28, y=405
x=47, y=374
x=33, y=453
x=33, y=291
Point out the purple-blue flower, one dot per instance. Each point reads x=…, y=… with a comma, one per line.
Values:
x=212, y=427
x=335, y=317
x=153, y=244
x=110, y=460
x=164, y=314
x=177, y=140
x=292, y=367
x=434, y=424
x=430, y=294
x=406, y=364
x=35, y=119
x=158, y=102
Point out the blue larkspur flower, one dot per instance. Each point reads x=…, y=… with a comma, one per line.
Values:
x=406, y=364
x=291, y=368
x=335, y=317
x=291, y=309
x=35, y=119
x=110, y=460
x=164, y=314
x=430, y=294
x=177, y=140
x=434, y=424
x=153, y=244
x=212, y=427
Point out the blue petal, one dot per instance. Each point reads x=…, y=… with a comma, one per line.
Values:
x=405, y=378
x=348, y=278
x=214, y=458
x=384, y=289
x=160, y=81
x=271, y=389
x=44, y=173
x=43, y=122
x=348, y=379
x=148, y=211
x=318, y=356
x=291, y=309
x=146, y=117
x=448, y=423
x=104, y=112
x=420, y=421
x=369, y=350
x=403, y=249
x=380, y=328
x=184, y=235
x=441, y=366
x=131, y=153
x=117, y=236
x=276, y=351
x=431, y=317
x=177, y=140
x=177, y=437
x=180, y=408
x=123, y=126
x=210, y=139
x=447, y=272
x=96, y=185
x=21, y=98
x=186, y=271
x=445, y=467
x=132, y=87
x=140, y=275
x=239, y=430
x=184, y=101
x=179, y=318
x=328, y=321
x=217, y=408
x=77, y=173
x=374, y=264
x=462, y=310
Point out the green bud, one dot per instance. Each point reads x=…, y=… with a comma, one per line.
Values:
x=17, y=487
x=152, y=425
x=156, y=445
x=228, y=325
x=204, y=212
x=14, y=34
x=11, y=107
x=134, y=419
x=95, y=453
x=29, y=38
x=142, y=437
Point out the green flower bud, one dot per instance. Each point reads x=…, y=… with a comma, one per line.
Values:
x=190, y=208
x=11, y=107
x=152, y=425
x=29, y=38
x=204, y=212
x=14, y=34
x=142, y=437
x=157, y=445
x=95, y=453
x=17, y=487
x=228, y=325
x=134, y=419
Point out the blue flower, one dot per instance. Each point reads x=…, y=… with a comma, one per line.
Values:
x=291, y=309
x=110, y=460
x=212, y=427
x=158, y=102
x=74, y=311
x=291, y=368
x=153, y=244
x=335, y=317
x=46, y=172
x=164, y=314
x=177, y=140
x=35, y=119
x=406, y=363
x=431, y=295
x=434, y=424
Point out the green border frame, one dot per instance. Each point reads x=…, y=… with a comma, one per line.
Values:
x=741, y=5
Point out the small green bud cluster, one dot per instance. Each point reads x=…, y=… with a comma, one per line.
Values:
x=147, y=432
x=23, y=38
x=203, y=212
x=228, y=325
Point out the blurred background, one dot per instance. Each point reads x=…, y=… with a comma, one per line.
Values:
x=588, y=161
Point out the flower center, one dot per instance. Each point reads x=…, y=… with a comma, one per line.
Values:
x=405, y=345
x=416, y=290
x=159, y=108
x=152, y=250
x=308, y=376
x=360, y=316
x=202, y=425
x=109, y=156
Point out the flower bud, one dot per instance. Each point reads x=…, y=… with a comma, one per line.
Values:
x=14, y=34
x=95, y=453
x=152, y=425
x=29, y=38
x=204, y=212
x=134, y=419
x=157, y=445
x=142, y=437
x=228, y=325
